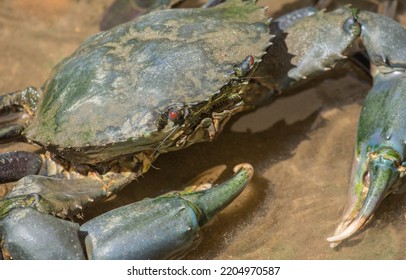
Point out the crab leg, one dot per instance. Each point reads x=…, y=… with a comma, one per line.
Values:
x=162, y=227
x=380, y=152
x=60, y=182
x=62, y=197
x=12, y=124
x=315, y=44
x=27, y=99
x=18, y=164
x=15, y=165
x=380, y=147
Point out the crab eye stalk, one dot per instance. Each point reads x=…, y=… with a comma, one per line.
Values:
x=171, y=116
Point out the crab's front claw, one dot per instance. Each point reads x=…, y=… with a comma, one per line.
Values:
x=371, y=183
x=163, y=227
x=379, y=160
x=28, y=234
x=157, y=228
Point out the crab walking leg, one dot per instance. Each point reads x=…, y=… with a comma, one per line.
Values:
x=27, y=99
x=64, y=197
x=60, y=182
x=158, y=228
x=24, y=100
x=18, y=164
x=10, y=131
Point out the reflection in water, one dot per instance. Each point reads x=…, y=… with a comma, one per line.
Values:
x=275, y=112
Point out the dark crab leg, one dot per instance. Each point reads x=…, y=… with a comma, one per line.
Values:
x=65, y=197
x=15, y=165
x=158, y=228
x=17, y=109
x=60, y=182
x=18, y=164
x=11, y=131
x=27, y=99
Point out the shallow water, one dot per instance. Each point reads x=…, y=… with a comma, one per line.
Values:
x=301, y=147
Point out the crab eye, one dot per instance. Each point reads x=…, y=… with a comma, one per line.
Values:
x=250, y=60
x=172, y=116
x=176, y=115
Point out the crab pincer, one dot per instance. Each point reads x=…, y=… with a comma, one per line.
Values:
x=380, y=150
x=154, y=228
x=145, y=230
x=379, y=158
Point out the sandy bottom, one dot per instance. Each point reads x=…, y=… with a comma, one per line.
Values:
x=301, y=147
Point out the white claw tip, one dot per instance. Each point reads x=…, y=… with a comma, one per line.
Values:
x=245, y=166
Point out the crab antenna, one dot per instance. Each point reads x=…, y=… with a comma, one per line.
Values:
x=163, y=140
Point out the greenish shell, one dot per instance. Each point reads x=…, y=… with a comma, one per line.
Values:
x=104, y=100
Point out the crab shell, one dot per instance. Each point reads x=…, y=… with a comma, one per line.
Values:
x=104, y=100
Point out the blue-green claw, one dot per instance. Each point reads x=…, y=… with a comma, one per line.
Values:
x=380, y=152
x=28, y=234
x=162, y=227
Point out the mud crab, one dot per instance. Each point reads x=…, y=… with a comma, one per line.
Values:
x=128, y=72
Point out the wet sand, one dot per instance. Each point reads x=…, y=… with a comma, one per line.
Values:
x=301, y=147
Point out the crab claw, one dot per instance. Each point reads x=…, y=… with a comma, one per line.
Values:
x=379, y=162
x=163, y=227
x=154, y=228
x=371, y=183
